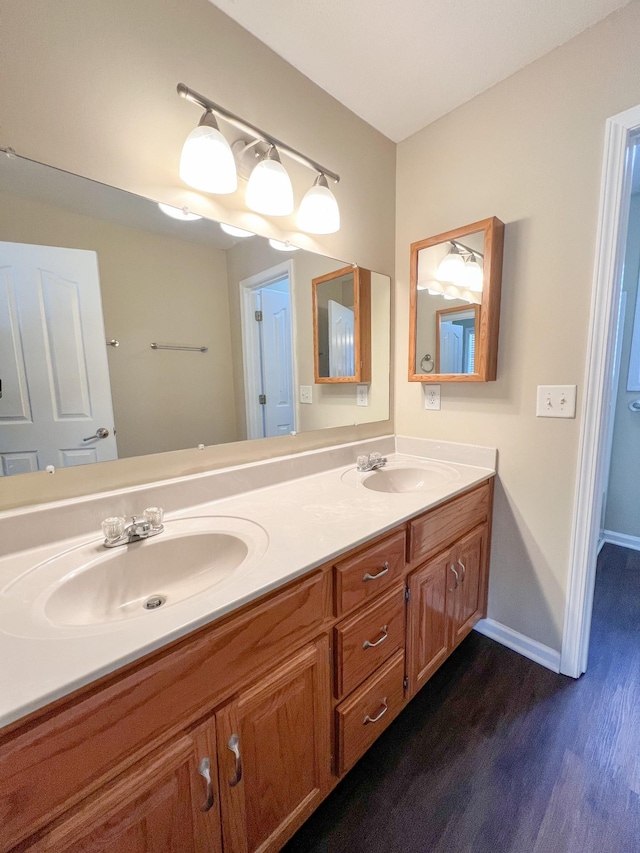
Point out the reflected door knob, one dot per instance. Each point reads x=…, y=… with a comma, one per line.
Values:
x=102, y=432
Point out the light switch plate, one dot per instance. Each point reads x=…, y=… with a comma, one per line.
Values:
x=431, y=396
x=305, y=394
x=556, y=401
x=362, y=395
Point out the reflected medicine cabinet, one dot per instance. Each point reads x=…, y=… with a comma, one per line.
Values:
x=342, y=326
x=455, y=304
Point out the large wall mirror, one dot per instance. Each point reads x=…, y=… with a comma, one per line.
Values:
x=455, y=304
x=124, y=331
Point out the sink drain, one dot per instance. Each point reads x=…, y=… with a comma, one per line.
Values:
x=154, y=602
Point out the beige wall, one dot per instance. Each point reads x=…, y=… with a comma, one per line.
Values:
x=90, y=87
x=623, y=492
x=528, y=151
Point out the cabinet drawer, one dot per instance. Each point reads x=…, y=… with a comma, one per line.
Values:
x=367, y=639
x=440, y=527
x=372, y=570
x=368, y=711
x=50, y=765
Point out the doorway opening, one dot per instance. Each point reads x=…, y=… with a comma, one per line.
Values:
x=605, y=363
x=268, y=344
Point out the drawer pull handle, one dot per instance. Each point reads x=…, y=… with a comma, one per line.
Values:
x=453, y=569
x=234, y=746
x=464, y=569
x=385, y=708
x=369, y=645
x=383, y=571
x=204, y=769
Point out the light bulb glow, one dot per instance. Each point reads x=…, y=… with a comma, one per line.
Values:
x=206, y=162
x=451, y=267
x=269, y=190
x=235, y=232
x=182, y=213
x=319, y=212
x=282, y=247
x=473, y=275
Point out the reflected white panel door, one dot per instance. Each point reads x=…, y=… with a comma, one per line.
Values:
x=277, y=362
x=53, y=360
x=341, y=340
x=450, y=348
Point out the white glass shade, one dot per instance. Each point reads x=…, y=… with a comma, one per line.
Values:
x=235, y=232
x=182, y=213
x=473, y=275
x=319, y=212
x=269, y=190
x=206, y=162
x=451, y=267
x=282, y=247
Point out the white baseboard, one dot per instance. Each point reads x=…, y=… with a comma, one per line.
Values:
x=525, y=646
x=623, y=539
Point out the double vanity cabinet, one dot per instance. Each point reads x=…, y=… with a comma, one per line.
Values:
x=229, y=738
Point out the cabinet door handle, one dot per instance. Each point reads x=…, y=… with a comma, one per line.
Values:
x=383, y=571
x=453, y=569
x=369, y=645
x=204, y=769
x=464, y=569
x=234, y=746
x=385, y=708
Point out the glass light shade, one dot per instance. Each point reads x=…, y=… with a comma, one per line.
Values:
x=473, y=275
x=319, y=212
x=182, y=213
x=206, y=162
x=282, y=247
x=451, y=267
x=235, y=232
x=269, y=190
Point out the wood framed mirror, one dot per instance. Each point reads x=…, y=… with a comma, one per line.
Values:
x=454, y=306
x=342, y=326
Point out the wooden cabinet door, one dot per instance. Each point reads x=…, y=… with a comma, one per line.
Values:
x=427, y=635
x=467, y=601
x=161, y=804
x=274, y=752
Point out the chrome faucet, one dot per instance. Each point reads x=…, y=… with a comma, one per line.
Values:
x=117, y=533
x=370, y=462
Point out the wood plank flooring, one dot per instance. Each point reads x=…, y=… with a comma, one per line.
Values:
x=498, y=755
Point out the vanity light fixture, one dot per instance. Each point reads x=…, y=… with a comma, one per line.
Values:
x=451, y=267
x=233, y=231
x=473, y=274
x=269, y=189
x=206, y=162
x=283, y=247
x=182, y=213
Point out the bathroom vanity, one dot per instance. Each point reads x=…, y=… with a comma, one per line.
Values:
x=228, y=731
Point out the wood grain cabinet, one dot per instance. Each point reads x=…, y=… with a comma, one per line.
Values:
x=225, y=741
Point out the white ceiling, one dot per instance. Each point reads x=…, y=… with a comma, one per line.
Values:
x=401, y=64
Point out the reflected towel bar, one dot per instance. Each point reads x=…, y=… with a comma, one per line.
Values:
x=171, y=346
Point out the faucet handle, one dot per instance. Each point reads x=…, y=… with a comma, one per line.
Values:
x=362, y=462
x=154, y=515
x=113, y=528
x=375, y=457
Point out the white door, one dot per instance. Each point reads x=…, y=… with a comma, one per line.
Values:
x=53, y=360
x=342, y=361
x=276, y=362
x=450, y=348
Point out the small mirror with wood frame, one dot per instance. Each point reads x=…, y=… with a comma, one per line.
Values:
x=342, y=326
x=455, y=304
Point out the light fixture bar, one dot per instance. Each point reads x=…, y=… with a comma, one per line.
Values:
x=196, y=98
x=466, y=248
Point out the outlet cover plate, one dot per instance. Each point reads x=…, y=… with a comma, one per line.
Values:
x=305, y=394
x=431, y=397
x=362, y=395
x=556, y=401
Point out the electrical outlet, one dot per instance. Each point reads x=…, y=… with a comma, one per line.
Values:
x=556, y=401
x=431, y=397
x=305, y=394
x=362, y=395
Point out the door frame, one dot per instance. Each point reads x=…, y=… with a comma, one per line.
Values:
x=595, y=422
x=251, y=343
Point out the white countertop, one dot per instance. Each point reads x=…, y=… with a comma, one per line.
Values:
x=308, y=521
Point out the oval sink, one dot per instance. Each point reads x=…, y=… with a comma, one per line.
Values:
x=401, y=478
x=94, y=586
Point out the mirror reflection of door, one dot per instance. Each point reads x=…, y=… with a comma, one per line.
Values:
x=51, y=316
x=335, y=301
x=341, y=339
x=456, y=339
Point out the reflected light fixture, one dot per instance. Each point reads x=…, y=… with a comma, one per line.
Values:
x=182, y=213
x=283, y=247
x=319, y=212
x=451, y=267
x=206, y=162
x=269, y=190
x=473, y=274
x=235, y=232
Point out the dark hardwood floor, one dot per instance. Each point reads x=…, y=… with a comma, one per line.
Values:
x=498, y=755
